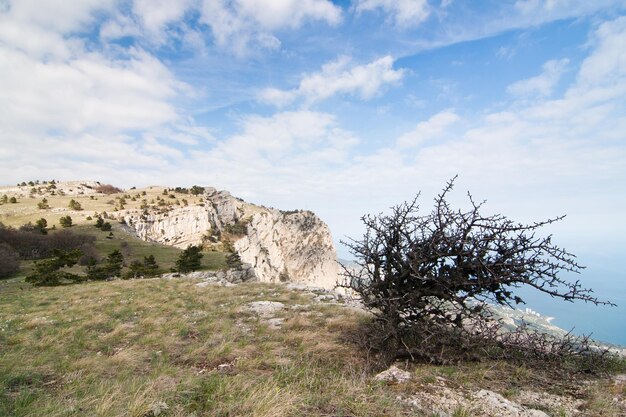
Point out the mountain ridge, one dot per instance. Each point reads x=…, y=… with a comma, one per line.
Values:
x=294, y=246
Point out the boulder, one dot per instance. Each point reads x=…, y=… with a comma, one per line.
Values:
x=393, y=374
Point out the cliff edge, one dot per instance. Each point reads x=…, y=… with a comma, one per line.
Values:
x=287, y=246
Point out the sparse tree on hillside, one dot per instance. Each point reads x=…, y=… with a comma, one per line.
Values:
x=65, y=221
x=43, y=204
x=111, y=267
x=13, y=200
x=75, y=205
x=47, y=272
x=4, y=199
x=148, y=268
x=189, y=260
x=436, y=269
x=99, y=222
x=114, y=263
x=196, y=189
x=42, y=226
x=135, y=269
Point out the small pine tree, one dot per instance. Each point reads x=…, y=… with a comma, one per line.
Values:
x=147, y=268
x=189, y=259
x=150, y=266
x=75, y=205
x=42, y=226
x=112, y=267
x=43, y=204
x=196, y=189
x=135, y=270
x=65, y=221
x=233, y=261
x=113, y=263
x=13, y=200
x=48, y=273
x=99, y=222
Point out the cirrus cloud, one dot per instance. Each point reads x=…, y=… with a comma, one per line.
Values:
x=337, y=77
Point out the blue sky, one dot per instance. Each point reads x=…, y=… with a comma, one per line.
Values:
x=343, y=108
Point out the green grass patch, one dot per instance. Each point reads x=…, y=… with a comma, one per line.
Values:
x=131, y=347
x=154, y=347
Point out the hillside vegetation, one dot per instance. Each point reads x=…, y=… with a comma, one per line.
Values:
x=84, y=203
x=194, y=346
x=173, y=348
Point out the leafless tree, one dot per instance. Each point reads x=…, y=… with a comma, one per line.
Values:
x=441, y=267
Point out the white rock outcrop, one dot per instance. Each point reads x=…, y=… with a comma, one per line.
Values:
x=281, y=246
x=180, y=227
x=69, y=188
x=290, y=247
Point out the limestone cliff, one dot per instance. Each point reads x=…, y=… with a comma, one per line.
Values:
x=281, y=246
x=179, y=227
x=290, y=246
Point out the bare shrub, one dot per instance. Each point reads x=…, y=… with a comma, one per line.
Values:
x=9, y=261
x=107, y=189
x=425, y=277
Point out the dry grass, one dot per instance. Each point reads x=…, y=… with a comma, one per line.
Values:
x=25, y=210
x=152, y=347
x=133, y=347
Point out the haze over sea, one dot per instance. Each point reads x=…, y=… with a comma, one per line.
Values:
x=342, y=107
x=605, y=275
x=604, y=323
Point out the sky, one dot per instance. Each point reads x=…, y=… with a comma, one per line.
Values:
x=340, y=107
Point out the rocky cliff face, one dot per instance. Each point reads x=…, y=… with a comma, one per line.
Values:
x=290, y=246
x=179, y=227
x=281, y=246
x=68, y=188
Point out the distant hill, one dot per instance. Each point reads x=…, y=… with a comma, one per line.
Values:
x=293, y=246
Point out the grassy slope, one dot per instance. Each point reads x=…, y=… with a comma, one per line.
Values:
x=125, y=347
x=135, y=248
x=25, y=210
x=119, y=348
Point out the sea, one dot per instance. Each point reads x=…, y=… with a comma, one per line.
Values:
x=604, y=323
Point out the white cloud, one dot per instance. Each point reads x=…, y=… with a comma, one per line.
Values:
x=404, y=13
x=432, y=128
x=67, y=109
x=274, y=15
x=545, y=10
x=238, y=24
x=90, y=91
x=364, y=81
x=155, y=14
x=607, y=64
x=542, y=84
x=57, y=15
